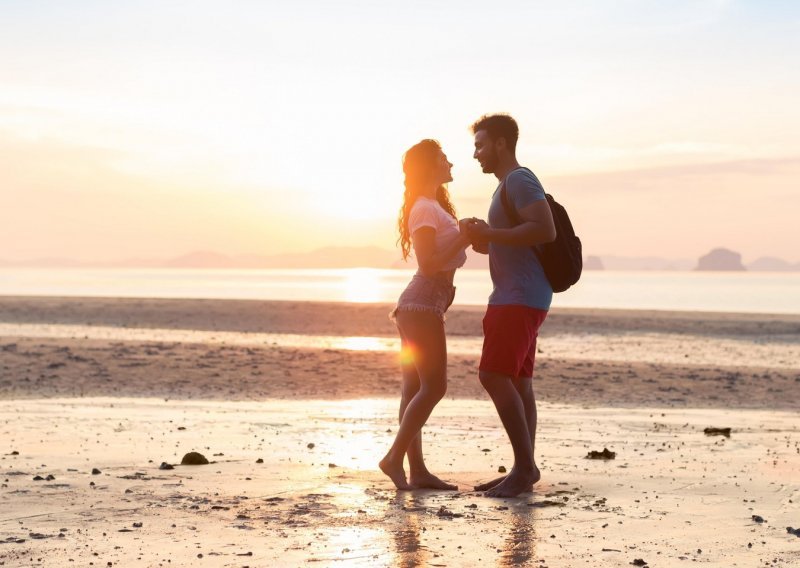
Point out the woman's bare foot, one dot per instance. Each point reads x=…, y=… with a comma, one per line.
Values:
x=427, y=480
x=515, y=483
x=395, y=472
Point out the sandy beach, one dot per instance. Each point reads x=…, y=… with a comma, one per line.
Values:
x=125, y=385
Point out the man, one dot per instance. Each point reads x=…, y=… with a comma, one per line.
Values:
x=521, y=297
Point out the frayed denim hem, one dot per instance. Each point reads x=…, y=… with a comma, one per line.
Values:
x=416, y=308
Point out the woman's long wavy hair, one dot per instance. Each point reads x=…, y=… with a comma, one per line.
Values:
x=419, y=163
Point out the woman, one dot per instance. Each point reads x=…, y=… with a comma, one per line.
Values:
x=428, y=222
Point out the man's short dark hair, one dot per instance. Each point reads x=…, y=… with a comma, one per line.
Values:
x=499, y=126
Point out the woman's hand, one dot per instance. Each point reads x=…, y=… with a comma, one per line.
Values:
x=463, y=225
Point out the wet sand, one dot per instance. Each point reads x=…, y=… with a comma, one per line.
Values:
x=232, y=350
x=672, y=495
x=124, y=385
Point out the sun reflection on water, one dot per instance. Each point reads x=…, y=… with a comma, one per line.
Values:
x=362, y=285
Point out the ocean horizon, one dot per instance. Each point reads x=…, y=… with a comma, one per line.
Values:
x=744, y=292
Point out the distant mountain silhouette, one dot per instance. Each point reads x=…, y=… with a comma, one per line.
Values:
x=375, y=257
x=329, y=257
x=593, y=263
x=721, y=259
x=772, y=264
x=611, y=262
x=202, y=259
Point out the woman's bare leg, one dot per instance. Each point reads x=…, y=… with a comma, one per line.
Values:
x=423, y=334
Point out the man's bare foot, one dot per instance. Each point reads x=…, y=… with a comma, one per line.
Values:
x=395, y=472
x=515, y=483
x=429, y=481
x=489, y=484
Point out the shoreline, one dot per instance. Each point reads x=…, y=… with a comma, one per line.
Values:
x=48, y=366
x=365, y=319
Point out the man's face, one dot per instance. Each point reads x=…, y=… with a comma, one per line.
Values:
x=485, y=152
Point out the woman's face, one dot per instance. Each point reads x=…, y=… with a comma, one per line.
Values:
x=443, y=166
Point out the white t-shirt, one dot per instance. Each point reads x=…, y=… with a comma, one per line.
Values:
x=427, y=212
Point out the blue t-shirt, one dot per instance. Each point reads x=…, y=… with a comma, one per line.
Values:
x=517, y=274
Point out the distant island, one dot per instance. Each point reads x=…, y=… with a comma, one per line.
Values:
x=718, y=259
x=721, y=259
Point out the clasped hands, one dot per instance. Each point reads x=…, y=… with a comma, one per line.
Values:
x=476, y=231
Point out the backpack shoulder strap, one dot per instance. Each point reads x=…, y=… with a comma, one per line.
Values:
x=509, y=209
x=512, y=214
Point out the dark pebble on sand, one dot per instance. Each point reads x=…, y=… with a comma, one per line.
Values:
x=14, y=453
x=137, y=525
x=38, y=478
x=50, y=477
x=194, y=458
x=639, y=562
x=501, y=469
x=165, y=465
x=332, y=465
x=717, y=432
x=310, y=445
x=606, y=454
x=758, y=518
x=96, y=471
x=259, y=460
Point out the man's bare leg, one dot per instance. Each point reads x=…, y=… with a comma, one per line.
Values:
x=524, y=387
x=511, y=409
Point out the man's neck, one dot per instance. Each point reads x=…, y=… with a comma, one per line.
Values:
x=506, y=166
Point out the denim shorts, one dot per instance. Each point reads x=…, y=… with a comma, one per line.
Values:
x=426, y=294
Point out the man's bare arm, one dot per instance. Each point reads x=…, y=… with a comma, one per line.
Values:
x=537, y=227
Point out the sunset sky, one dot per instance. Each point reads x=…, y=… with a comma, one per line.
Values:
x=151, y=129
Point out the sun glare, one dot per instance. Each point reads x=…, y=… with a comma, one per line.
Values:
x=358, y=207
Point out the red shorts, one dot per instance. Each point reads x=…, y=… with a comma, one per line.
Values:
x=509, y=339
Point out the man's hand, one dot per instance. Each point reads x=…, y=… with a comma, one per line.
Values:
x=479, y=231
x=476, y=231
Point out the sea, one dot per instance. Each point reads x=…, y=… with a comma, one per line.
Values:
x=745, y=292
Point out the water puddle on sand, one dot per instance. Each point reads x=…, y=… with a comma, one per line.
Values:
x=664, y=348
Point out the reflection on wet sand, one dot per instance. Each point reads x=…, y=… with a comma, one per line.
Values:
x=406, y=526
x=519, y=545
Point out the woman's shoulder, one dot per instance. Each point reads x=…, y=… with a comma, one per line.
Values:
x=425, y=206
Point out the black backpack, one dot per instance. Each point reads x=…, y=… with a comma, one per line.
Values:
x=561, y=259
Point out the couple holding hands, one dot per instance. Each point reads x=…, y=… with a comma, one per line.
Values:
x=519, y=217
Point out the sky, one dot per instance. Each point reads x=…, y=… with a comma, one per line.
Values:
x=152, y=129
